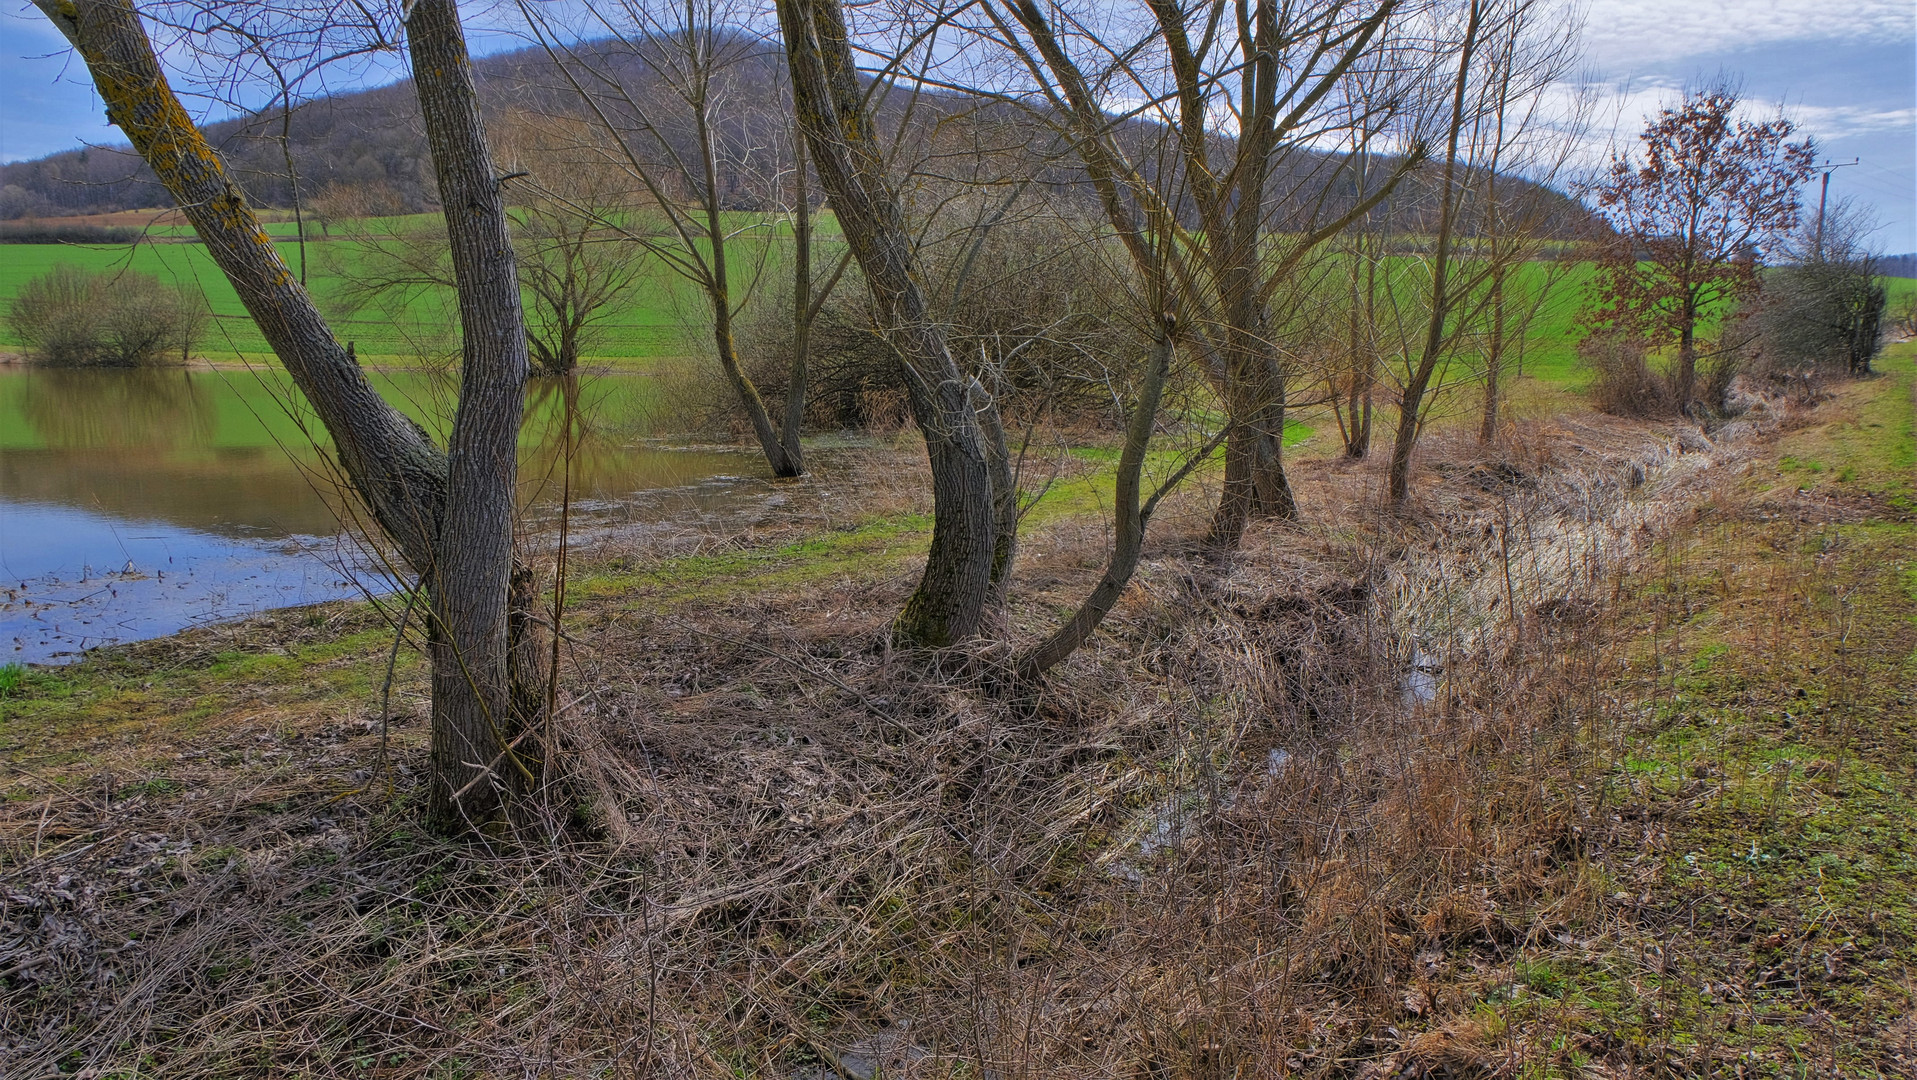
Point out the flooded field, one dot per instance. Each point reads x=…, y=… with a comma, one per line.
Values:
x=137, y=503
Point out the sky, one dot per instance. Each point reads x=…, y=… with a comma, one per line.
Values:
x=1846, y=72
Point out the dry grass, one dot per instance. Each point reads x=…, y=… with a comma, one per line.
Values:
x=1305, y=811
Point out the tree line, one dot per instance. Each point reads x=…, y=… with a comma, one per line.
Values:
x=1350, y=205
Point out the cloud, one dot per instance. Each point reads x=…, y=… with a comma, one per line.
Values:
x=1845, y=121
x=1641, y=33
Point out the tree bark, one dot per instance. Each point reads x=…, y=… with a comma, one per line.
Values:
x=1411, y=403
x=1129, y=519
x=957, y=584
x=476, y=772
x=802, y=310
x=1687, y=355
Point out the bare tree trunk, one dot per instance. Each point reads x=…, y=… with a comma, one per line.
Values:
x=475, y=769
x=1493, y=359
x=1411, y=404
x=1255, y=481
x=957, y=583
x=1687, y=356
x=802, y=311
x=781, y=455
x=1130, y=517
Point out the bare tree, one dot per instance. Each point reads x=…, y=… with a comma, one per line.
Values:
x=1488, y=218
x=974, y=504
x=1245, y=94
x=577, y=267
x=687, y=101
x=449, y=514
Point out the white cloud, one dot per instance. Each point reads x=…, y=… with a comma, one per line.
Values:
x=1634, y=34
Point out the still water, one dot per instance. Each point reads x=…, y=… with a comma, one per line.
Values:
x=137, y=503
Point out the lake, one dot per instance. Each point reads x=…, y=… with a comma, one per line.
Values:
x=135, y=504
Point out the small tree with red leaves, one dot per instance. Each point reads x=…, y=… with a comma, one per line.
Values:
x=1693, y=219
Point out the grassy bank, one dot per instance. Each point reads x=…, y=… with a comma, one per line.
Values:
x=1649, y=815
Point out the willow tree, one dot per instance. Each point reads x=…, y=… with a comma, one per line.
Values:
x=447, y=512
x=974, y=504
x=1245, y=94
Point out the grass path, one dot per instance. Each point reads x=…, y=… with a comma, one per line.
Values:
x=1757, y=866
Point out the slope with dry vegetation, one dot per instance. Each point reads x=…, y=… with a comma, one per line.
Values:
x=1598, y=765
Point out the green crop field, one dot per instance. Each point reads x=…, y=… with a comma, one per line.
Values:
x=661, y=316
x=653, y=321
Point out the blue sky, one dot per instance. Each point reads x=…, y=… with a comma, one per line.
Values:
x=1847, y=72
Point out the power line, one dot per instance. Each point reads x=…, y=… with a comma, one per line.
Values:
x=1827, y=168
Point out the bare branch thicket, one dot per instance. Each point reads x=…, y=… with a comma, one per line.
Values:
x=1825, y=307
x=1472, y=284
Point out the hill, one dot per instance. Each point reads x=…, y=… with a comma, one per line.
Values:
x=372, y=142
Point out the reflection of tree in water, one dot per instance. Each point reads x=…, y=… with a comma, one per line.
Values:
x=119, y=410
x=589, y=418
x=560, y=421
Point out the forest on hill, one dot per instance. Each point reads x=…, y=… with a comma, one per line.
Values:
x=371, y=143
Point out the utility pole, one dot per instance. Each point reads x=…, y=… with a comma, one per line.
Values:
x=1826, y=168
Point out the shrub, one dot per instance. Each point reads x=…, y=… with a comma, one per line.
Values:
x=1623, y=383
x=1035, y=305
x=1826, y=313
x=39, y=232
x=73, y=318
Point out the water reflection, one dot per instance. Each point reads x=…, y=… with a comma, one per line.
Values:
x=116, y=410
x=133, y=503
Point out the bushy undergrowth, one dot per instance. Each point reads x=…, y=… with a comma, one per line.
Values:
x=74, y=318
x=998, y=291
x=35, y=232
x=1624, y=382
x=1271, y=823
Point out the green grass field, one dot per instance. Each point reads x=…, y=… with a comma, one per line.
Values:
x=652, y=323
x=660, y=316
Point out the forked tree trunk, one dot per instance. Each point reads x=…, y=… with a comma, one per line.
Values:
x=476, y=770
x=957, y=585
x=450, y=519
x=1255, y=481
